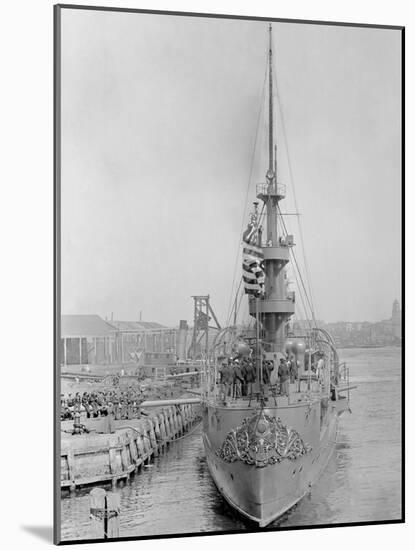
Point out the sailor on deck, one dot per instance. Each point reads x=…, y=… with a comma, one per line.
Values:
x=293, y=368
x=249, y=376
x=237, y=379
x=320, y=366
x=284, y=376
x=226, y=376
x=266, y=371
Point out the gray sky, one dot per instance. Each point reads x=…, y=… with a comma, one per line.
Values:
x=159, y=115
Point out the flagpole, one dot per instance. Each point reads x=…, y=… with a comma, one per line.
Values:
x=258, y=348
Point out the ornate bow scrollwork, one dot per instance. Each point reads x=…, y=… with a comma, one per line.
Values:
x=262, y=440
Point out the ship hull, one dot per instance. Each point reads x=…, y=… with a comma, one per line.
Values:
x=262, y=494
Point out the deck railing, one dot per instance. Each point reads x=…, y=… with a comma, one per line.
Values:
x=271, y=189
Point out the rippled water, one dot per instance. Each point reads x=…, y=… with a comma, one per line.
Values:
x=362, y=481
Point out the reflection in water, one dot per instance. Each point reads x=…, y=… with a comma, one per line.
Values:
x=361, y=482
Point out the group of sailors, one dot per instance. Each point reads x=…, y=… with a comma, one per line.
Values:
x=238, y=375
x=122, y=404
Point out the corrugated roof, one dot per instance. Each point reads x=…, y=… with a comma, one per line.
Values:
x=84, y=325
x=135, y=326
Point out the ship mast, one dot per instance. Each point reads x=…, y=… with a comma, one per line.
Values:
x=270, y=174
x=274, y=308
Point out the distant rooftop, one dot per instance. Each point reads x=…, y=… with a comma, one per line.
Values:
x=134, y=326
x=84, y=325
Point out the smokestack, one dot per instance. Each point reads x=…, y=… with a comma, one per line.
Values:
x=181, y=341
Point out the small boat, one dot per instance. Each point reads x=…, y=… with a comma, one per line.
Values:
x=273, y=392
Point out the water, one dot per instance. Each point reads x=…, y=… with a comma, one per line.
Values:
x=362, y=481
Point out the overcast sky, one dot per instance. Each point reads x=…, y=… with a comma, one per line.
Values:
x=159, y=117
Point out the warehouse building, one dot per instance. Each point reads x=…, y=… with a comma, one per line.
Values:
x=88, y=340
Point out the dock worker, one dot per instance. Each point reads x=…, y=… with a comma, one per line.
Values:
x=70, y=400
x=284, y=376
x=65, y=414
x=94, y=406
x=85, y=403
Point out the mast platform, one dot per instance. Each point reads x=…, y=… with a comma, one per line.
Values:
x=265, y=191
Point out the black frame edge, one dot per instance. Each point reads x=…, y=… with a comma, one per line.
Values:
x=226, y=16
x=56, y=265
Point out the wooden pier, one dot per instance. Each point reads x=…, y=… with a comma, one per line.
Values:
x=104, y=457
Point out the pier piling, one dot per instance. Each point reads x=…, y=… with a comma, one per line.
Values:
x=104, y=509
x=112, y=451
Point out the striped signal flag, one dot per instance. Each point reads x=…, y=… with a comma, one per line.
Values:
x=253, y=273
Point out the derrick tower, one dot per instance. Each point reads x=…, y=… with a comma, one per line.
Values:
x=203, y=313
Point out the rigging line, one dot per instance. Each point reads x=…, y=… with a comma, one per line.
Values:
x=290, y=170
x=261, y=215
x=298, y=268
x=304, y=308
x=296, y=273
x=300, y=311
x=245, y=319
x=240, y=301
x=299, y=272
x=300, y=305
x=305, y=290
x=302, y=296
x=249, y=180
x=228, y=320
x=307, y=270
x=237, y=311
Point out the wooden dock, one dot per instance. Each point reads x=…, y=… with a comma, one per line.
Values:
x=108, y=457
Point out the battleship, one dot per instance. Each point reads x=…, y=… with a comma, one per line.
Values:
x=268, y=441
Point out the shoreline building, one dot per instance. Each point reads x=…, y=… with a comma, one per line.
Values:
x=146, y=343
x=87, y=340
x=387, y=332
